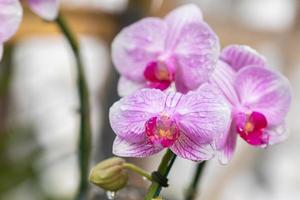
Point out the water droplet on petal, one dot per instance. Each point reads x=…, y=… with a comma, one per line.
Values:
x=111, y=195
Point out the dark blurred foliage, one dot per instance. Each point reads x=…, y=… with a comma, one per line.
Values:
x=18, y=153
x=19, y=148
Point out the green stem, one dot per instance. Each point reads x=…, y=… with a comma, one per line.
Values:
x=192, y=190
x=164, y=168
x=84, y=144
x=137, y=170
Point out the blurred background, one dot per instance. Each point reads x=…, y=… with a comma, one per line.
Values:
x=38, y=101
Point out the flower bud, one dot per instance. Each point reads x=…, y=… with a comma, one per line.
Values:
x=109, y=174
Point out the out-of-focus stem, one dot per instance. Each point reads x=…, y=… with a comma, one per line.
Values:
x=192, y=190
x=164, y=169
x=84, y=144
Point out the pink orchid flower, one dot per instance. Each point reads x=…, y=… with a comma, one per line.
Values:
x=154, y=53
x=150, y=120
x=259, y=98
x=11, y=15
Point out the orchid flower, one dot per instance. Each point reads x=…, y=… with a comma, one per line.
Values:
x=258, y=96
x=11, y=15
x=150, y=120
x=154, y=53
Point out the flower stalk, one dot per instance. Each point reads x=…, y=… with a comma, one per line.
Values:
x=164, y=169
x=84, y=144
x=138, y=170
x=192, y=190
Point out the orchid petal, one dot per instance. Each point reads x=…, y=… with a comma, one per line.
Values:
x=197, y=52
x=223, y=77
x=194, y=45
x=191, y=149
x=129, y=115
x=239, y=56
x=277, y=134
x=127, y=87
x=10, y=17
x=178, y=19
x=124, y=148
x=226, y=145
x=265, y=91
x=203, y=114
x=46, y=9
x=137, y=45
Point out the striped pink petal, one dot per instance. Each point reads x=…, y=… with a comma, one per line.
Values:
x=264, y=90
x=239, y=56
x=129, y=115
x=124, y=148
x=136, y=46
x=194, y=45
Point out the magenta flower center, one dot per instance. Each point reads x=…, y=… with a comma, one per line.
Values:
x=252, y=129
x=159, y=75
x=162, y=130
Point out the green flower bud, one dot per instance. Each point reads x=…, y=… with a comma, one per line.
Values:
x=109, y=174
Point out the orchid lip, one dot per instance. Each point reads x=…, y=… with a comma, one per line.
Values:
x=159, y=75
x=251, y=127
x=162, y=130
